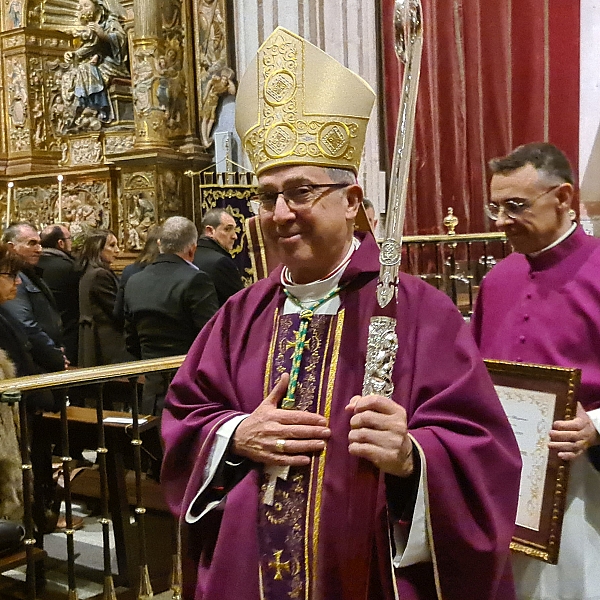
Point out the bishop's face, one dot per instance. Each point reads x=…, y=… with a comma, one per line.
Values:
x=312, y=239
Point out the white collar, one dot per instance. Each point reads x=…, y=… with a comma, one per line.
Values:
x=562, y=238
x=315, y=290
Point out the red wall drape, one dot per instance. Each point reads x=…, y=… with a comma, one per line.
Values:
x=494, y=75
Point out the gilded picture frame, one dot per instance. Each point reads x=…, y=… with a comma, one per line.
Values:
x=534, y=396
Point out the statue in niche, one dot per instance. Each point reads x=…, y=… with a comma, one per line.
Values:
x=212, y=33
x=100, y=58
x=18, y=89
x=171, y=17
x=171, y=193
x=220, y=84
x=141, y=218
x=144, y=80
x=37, y=114
x=58, y=114
x=15, y=13
x=170, y=87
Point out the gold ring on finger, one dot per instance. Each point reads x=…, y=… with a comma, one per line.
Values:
x=280, y=445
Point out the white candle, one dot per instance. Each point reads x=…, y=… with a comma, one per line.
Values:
x=9, y=194
x=59, y=201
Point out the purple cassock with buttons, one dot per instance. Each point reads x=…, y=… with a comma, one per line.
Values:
x=545, y=309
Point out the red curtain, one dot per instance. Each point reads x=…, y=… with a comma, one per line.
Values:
x=495, y=74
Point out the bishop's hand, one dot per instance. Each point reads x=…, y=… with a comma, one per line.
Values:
x=572, y=438
x=379, y=433
x=275, y=436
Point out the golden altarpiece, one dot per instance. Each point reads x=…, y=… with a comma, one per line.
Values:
x=108, y=108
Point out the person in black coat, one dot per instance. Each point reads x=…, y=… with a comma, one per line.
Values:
x=168, y=303
x=101, y=339
x=60, y=273
x=146, y=257
x=34, y=306
x=213, y=253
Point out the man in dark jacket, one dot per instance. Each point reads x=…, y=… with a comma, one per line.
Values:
x=62, y=277
x=213, y=253
x=168, y=303
x=35, y=307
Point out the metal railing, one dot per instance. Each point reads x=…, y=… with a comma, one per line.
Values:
x=128, y=376
x=454, y=263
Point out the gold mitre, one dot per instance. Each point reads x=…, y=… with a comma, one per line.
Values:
x=297, y=105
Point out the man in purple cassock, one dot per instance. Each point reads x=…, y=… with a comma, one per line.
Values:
x=541, y=305
x=287, y=482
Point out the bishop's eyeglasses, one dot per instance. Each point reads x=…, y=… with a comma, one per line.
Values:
x=296, y=197
x=513, y=207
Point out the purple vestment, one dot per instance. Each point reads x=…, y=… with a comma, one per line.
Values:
x=453, y=414
x=546, y=310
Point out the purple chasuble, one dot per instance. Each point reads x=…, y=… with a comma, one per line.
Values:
x=348, y=507
x=546, y=310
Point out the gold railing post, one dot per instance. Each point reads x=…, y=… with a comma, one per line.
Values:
x=145, y=586
x=14, y=396
x=108, y=592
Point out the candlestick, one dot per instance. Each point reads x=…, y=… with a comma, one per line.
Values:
x=9, y=194
x=59, y=201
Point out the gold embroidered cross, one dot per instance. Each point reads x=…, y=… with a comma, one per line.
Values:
x=289, y=344
x=279, y=566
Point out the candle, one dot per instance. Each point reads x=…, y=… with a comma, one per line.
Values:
x=9, y=194
x=59, y=201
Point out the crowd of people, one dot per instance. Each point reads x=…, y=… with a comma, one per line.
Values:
x=63, y=310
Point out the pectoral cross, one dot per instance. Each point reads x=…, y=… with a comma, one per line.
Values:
x=279, y=566
x=274, y=472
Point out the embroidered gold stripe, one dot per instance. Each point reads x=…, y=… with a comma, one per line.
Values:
x=335, y=352
x=271, y=355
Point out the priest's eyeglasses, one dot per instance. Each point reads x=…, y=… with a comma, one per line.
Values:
x=513, y=207
x=297, y=196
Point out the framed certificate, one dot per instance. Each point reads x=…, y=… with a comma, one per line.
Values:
x=533, y=397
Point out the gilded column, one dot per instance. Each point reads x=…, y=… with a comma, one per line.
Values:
x=150, y=118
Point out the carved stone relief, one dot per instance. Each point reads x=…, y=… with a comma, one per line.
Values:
x=84, y=205
x=82, y=151
x=170, y=188
x=118, y=144
x=82, y=81
x=18, y=104
x=159, y=84
x=215, y=77
x=139, y=199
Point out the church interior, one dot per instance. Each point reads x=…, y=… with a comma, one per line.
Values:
x=118, y=114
